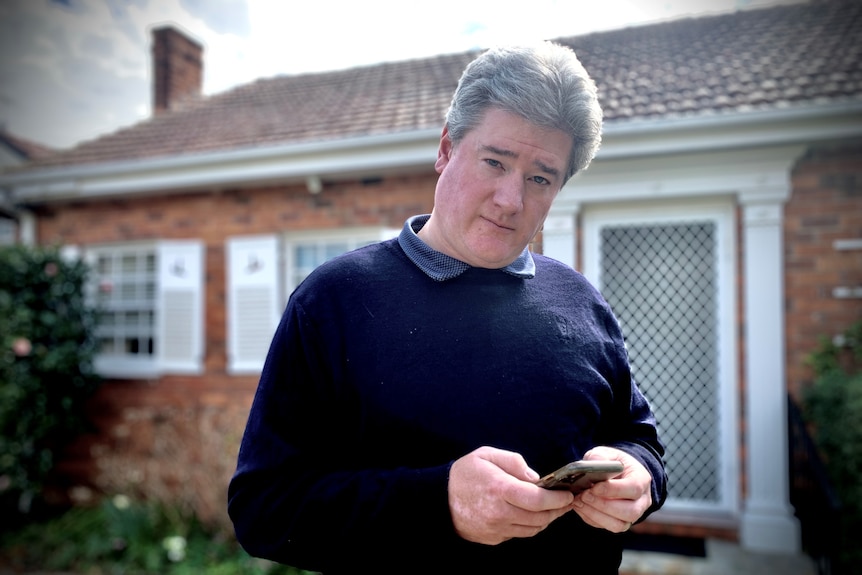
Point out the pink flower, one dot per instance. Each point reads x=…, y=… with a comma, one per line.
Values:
x=51, y=269
x=22, y=346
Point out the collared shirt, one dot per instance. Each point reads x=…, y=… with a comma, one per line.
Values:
x=441, y=267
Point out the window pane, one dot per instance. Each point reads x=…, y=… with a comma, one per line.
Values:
x=305, y=256
x=309, y=253
x=132, y=346
x=106, y=345
x=103, y=265
x=129, y=264
x=334, y=249
x=128, y=292
x=124, y=288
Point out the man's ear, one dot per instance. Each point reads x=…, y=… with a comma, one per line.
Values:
x=444, y=152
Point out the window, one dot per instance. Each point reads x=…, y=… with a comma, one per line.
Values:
x=8, y=231
x=668, y=278
x=149, y=297
x=125, y=294
x=262, y=272
x=307, y=251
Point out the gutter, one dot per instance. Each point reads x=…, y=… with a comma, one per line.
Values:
x=416, y=150
x=224, y=169
x=738, y=130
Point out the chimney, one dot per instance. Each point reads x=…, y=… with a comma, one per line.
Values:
x=177, y=68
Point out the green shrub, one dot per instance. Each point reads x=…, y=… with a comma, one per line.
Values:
x=46, y=351
x=122, y=536
x=833, y=406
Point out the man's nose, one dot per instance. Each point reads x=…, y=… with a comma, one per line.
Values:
x=509, y=194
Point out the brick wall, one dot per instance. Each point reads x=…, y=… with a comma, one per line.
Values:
x=214, y=216
x=177, y=435
x=825, y=206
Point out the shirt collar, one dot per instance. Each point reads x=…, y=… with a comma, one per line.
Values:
x=440, y=267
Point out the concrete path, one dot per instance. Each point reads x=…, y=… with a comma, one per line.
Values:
x=722, y=558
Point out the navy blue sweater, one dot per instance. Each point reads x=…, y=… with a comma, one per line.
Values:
x=379, y=377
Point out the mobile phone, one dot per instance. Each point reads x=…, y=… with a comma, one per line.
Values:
x=580, y=475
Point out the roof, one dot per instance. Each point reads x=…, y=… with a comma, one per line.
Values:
x=784, y=56
x=25, y=149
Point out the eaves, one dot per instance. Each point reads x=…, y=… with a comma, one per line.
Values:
x=415, y=150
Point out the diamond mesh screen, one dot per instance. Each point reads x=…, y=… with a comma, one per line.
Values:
x=660, y=281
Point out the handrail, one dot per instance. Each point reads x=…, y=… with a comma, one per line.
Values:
x=817, y=505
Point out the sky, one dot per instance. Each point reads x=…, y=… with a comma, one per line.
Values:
x=72, y=70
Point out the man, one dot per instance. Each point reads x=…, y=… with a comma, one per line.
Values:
x=415, y=389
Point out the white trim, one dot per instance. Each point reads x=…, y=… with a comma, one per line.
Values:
x=558, y=236
x=27, y=227
x=762, y=173
x=290, y=163
x=415, y=150
x=847, y=292
x=737, y=130
x=847, y=244
x=768, y=523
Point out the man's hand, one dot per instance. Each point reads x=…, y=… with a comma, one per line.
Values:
x=616, y=503
x=493, y=497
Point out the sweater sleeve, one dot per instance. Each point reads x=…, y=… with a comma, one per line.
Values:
x=297, y=494
x=642, y=443
x=632, y=426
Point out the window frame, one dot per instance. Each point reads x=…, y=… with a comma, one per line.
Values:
x=124, y=365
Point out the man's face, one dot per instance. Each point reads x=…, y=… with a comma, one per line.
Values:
x=495, y=189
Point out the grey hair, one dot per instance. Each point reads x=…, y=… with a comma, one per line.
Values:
x=544, y=83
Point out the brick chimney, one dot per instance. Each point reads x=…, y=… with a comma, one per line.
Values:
x=177, y=68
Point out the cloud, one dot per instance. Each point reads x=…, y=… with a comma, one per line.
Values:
x=64, y=69
x=222, y=16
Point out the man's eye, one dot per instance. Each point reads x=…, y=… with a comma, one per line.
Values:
x=494, y=163
x=541, y=180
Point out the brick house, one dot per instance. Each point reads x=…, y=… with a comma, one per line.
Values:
x=722, y=219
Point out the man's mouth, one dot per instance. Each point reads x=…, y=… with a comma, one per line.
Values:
x=501, y=226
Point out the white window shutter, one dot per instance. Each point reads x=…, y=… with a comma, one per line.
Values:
x=180, y=307
x=252, y=294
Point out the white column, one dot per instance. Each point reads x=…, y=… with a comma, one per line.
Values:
x=27, y=228
x=768, y=523
x=559, y=236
